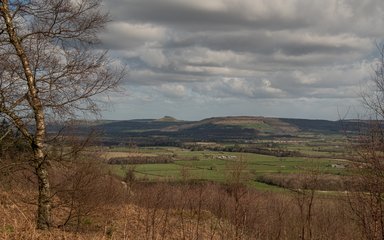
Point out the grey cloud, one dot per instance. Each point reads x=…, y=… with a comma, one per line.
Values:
x=348, y=16
x=185, y=16
x=245, y=50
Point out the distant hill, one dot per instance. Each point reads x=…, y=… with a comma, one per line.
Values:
x=167, y=119
x=325, y=126
x=239, y=128
x=259, y=124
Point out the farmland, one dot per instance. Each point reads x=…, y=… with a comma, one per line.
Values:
x=262, y=149
x=218, y=178
x=268, y=153
x=209, y=165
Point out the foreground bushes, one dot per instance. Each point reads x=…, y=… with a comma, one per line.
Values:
x=326, y=182
x=212, y=211
x=93, y=205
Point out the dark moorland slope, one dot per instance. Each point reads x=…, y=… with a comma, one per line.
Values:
x=170, y=131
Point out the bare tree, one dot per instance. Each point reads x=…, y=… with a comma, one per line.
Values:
x=374, y=98
x=50, y=66
x=305, y=199
x=365, y=198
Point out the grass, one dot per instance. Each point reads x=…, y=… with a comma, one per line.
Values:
x=259, y=126
x=215, y=166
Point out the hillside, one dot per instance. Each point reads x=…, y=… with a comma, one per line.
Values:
x=169, y=130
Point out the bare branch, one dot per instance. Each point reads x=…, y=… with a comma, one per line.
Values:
x=50, y=67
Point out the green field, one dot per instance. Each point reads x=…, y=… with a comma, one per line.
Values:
x=218, y=166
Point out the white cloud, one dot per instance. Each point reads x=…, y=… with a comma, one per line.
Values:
x=267, y=86
x=154, y=57
x=212, y=5
x=173, y=90
x=129, y=36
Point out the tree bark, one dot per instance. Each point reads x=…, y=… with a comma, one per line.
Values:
x=44, y=200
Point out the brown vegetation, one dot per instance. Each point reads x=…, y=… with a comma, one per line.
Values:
x=183, y=211
x=327, y=182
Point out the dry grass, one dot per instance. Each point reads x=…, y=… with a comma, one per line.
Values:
x=126, y=221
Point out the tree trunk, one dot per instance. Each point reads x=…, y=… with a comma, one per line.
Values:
x=39, y=161
x=44, y=199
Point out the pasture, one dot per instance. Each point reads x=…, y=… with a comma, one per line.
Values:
x=218, y=166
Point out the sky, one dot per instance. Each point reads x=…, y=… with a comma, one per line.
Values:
x=273, y=58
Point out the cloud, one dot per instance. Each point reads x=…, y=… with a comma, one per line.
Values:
x=242, y=50
x=130, y=36
x=173, y=90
